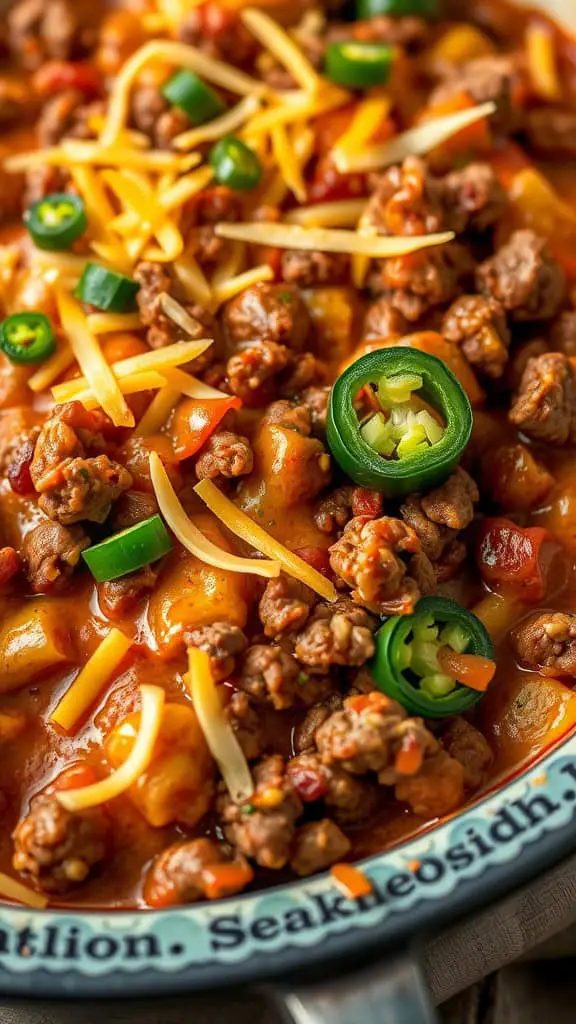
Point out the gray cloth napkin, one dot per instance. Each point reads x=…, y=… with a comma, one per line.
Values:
x=453, y=961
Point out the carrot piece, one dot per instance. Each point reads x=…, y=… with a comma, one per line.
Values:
x=409, y=758
x=471, y=670
x=226, y=879
x=352, y=882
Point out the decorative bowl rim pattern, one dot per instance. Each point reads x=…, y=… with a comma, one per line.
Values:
x=506, y=838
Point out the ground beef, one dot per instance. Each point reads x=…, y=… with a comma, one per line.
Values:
x=290, y=415
x=396, y=31
x=245, y=718
x=304, y=371
x=263, y=827
x=369, y=557
x=423, y=280
x=220, y=33
x=483, y=79
x=546, y=642
x=317, y=845
x=224, y=454
x=253, y=371
x=305, y=732
x=468, y=746
x=222, y=641
x=316, y=400
x=333, y=512
x=154, y=280
x=84, y=489
x=552, y=132
x=452, y=504
x=51, y=553
x=156, y=117
x=545, y=405
x=335, y=634
x=132, y=507
x=285, y=605
x=436, y=790
x=66, y=115
x=267, y=312
x=59, y=30
x=519, y=358
x=478, y=324
x=311, y=269
x=563, y=333
x=524, y=278
x=57, y=849
x=270, y=674
x=348, y=798
x=369, y=733
x=67, y=434
x=406, y=200
x=383, y=320
x=120, y=597
x=189, y=871
x=473, y=198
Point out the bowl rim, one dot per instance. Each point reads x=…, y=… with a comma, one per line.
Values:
x=304, y=923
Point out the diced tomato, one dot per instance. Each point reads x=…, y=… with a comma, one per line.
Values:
x=18, y=471
x=309, y=785
x=318, y=558
x=222, y=880
x=75, y=777
x=328, y=184
x=58, y=75
x=195, y=420
x=471, y=670
x=367, y=503
x=509, y=556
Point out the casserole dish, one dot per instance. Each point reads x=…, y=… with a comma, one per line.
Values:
x=394, y=692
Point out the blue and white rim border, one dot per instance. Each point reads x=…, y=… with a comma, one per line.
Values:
x=509, y=836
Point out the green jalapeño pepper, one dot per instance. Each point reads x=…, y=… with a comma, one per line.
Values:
x=409, y=666
x=398, y=421
x=27, y=338
x=132, y=549
x=56, y=221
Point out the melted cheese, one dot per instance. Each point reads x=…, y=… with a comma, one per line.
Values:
x=88, y=685
x=177, y=55
x=416, y=141
x=153, y=698
x=240, y=524
x=190, y=536
x=89, y=357
x=292, y=236
x=218, y=732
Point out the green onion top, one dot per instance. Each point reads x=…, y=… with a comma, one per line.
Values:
x=398, y=8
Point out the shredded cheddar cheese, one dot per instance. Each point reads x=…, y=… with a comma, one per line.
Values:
x=53, y=368
x=287, y=160
x=369, y=116
x=158, y=411
x=293, y=236
x=151, y=380
x=153, y=699
x=89, y=357
x=244, y=527
x=226, y=124
x=234, y=285
x=191, y=277
x=190, y=536
x=341, y=213
x=277, y=41
x=87, y=686
x=10, y=889
x=416, y=141
x=218, y=732
x=70, y=153
x=159, y=359
x=108, y=323
x=177, y=55
x=542, y=61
